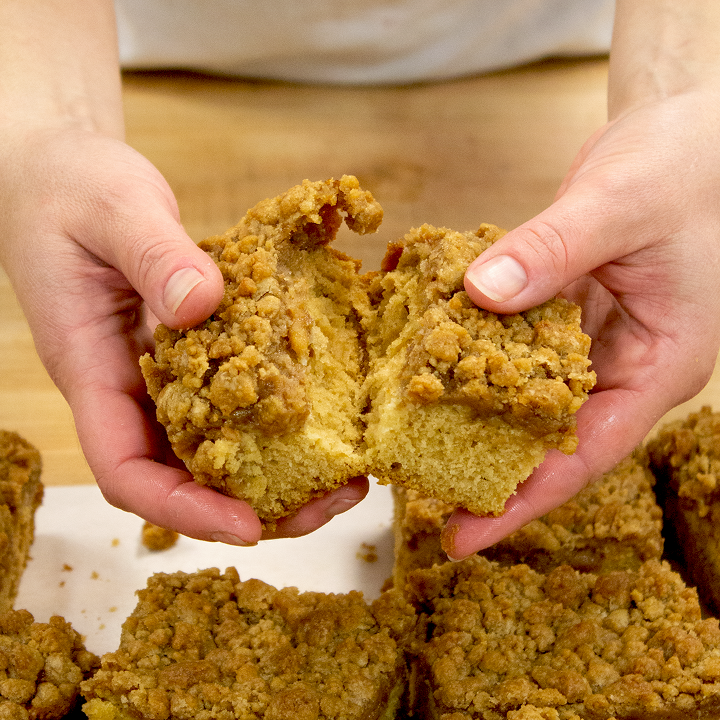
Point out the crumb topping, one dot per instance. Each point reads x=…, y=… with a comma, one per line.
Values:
x=689, y=449
x=245, y=366
x=623, y=643
x=206, y=645
x=41, y=666
x=532, y=368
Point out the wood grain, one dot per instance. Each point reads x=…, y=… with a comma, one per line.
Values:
x=487, y=149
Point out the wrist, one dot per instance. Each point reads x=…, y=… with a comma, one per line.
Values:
x=60, y=66
x=660, y=49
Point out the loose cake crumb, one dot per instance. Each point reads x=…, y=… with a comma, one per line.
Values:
x=158, y=538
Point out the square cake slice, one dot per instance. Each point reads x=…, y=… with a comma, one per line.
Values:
x=21, y=492
x=685, y=455
x=613, y=524
x=509, y=642
x=263, y=400
x=465, y=403
x=207, y=646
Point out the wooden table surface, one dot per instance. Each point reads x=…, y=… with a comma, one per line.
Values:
x=486, y=149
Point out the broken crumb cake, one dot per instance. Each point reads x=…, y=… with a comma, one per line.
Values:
x=41, y=668
x=686, y=457
x=464, y=403
x=627, y=644
x=207, y=646
x=309, y=374
x=21, y=492
x=613, y=524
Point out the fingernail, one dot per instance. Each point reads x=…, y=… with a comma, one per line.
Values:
x=230, y=539
x=339, y=506
x=179, y=286
x=500, y=278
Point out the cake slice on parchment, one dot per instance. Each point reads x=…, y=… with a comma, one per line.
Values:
x=685, y=455
x=21, y=492
x=206, y=645
x=509, y=642
x=43, y=665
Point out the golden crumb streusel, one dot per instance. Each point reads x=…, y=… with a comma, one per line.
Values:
x=262, y=401
x=41, y=667
x=686, y=457
x=207, y=646
x=21, y=492
x=613, y=524
x=623, y=644
x=465, y=403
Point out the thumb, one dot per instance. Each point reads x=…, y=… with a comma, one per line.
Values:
x=179, y=282
x=136, y=229
x=537, y=260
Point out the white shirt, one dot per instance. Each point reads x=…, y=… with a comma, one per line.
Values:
x=357, y=41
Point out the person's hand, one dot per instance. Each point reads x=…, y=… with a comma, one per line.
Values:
x=634, y=237
x=91, y=237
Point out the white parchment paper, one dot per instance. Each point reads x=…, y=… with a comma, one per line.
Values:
x=88, y=561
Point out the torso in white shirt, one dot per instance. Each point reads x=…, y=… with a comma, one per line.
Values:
x=357, y=41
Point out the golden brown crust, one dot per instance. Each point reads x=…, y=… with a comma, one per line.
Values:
x=624, y=644
x=21, y=493
x=686, y=456
x=42, y=667
x=613, y=524
x=206, y=645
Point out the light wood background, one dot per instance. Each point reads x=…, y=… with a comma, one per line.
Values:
x=487, y=149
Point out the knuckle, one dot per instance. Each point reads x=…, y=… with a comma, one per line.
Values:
x=550, y=248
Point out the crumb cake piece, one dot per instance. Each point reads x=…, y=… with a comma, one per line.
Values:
x=509, y=642
x=263, y=400
x=685, y=455
x=42, y=667
x=613, y=524
x=21, y=493
x=207, y=646
x=465, y=403
x=157, y=538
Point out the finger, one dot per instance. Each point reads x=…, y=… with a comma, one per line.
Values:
x=169, y=497
x=136, y=229
x=537, y=260
x=321, y=510
x=125, y=450
x=610, y=425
